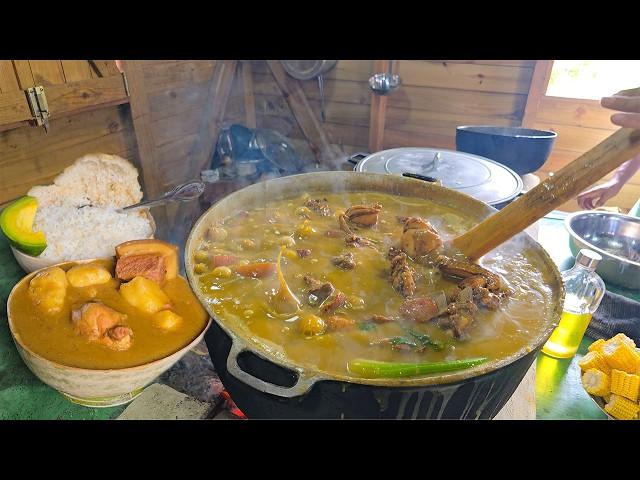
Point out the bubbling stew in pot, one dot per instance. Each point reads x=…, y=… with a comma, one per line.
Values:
x=346, y=283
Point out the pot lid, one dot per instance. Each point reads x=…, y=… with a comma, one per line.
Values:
x=476, y=176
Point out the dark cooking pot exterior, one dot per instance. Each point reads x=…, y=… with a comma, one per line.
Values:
x=480, y=397
x=524, y=150
x=264, y=383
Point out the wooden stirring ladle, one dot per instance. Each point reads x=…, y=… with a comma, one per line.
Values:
x=551, y=193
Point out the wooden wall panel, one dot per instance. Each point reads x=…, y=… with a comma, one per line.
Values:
x=438, y=96
x=8, y=78
x=466, y=76
x=47, y=72
x=29, y=156
x=76, y=70
x=177, y=91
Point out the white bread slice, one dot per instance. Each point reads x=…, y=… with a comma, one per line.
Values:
x=96, y=179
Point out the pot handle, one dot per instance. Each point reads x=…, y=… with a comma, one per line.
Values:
x=420, y=177
x=302, y=385
x=356, y=157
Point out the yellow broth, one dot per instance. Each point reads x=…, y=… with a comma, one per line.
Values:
x=494, y=334
x=52, y=336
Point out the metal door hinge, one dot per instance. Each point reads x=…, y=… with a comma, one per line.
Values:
x=39, y=107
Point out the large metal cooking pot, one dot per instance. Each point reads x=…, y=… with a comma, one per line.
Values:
x=264, y=383
x=479, y=177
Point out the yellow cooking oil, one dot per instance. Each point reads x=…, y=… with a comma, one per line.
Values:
x=566, y=338
x=584, y=290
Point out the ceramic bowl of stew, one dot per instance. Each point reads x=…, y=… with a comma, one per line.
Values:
x=91, y=386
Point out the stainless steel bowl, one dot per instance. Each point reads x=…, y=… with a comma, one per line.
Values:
x=614, y=236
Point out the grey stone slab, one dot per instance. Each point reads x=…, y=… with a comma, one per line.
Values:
x=161, y=402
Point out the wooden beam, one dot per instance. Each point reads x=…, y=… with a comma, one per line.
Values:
x=141, y=117
x=292, y=91
x=75, y=97
x=247, y=87
x=378, y=111
x=537, y=90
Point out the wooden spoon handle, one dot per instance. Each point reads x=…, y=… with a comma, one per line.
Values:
x=548, y=195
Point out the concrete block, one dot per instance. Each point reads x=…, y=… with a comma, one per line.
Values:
x=161, y=402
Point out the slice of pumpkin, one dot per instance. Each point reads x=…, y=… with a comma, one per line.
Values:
x=157, y=247
x=16, y=222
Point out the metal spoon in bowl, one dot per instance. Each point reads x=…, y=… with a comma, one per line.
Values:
x=182, y=193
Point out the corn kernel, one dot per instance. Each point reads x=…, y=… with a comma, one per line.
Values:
x=621, y=356
x=621, y=337
x=311, y=325
x=200, y=268
x=303, y=212
x=222, y=272
x=290, y=254
x=305, y=229
x=594, y=360
x=201, y=256
x=622, y=408
x=597, y=346
x=625, y=385
x=596, y=382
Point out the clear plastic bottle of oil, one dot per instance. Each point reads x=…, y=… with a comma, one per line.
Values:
x=584, y=290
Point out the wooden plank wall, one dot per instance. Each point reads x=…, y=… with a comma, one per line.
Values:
x=29, y=156
x=580, y=124
x=177, y=93
x=347, y=103
x=438, y=95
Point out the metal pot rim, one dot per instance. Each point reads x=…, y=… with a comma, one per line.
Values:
x=259, y=348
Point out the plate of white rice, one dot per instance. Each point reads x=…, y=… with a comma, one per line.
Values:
x=78, y=212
